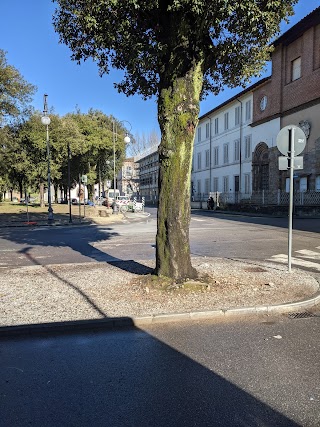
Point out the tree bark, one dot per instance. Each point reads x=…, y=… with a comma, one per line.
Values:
x=178, y=110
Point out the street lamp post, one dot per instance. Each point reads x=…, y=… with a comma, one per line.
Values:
x=69, y=182
x=127, y=141
x=45, y=120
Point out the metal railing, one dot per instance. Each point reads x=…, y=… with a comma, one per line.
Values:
x=260, y=198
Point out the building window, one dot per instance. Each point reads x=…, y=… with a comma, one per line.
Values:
x=225, y=153
x=296, y=69
x=248, y=110
x=237, y=116
x=206, y=186
x=207, y=130
x=199, y=187
x=199, y=160
x=199, y=134
x=207, y=158
x=237, y=150
x=215, y=184
x=247, y=147
x=216, y=156
x=225, y=184
x=318, y=183
x=303, y=184
x=247, y=183
x=226, y=121
x=216, y=126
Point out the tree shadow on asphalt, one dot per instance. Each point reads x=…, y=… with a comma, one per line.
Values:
x=83, y=244
x=131, y=378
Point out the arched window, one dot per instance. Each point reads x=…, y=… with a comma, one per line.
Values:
x=260, y=167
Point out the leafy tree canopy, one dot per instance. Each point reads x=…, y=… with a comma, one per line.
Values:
x=15, y=92
x=144, y=37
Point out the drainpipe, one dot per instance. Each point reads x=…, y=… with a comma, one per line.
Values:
x=240, y=153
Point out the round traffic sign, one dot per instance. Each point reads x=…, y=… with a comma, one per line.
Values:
x=299, y=140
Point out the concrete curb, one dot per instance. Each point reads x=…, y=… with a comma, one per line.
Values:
x=229, y=312
x=156, y=319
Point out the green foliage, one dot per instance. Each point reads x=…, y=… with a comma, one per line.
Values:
x=23, y=149
x=15, y=92
x=154, y=41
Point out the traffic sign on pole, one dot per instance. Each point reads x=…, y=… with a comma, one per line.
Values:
x=291, y=141
x=284, y=163
x=299, y=140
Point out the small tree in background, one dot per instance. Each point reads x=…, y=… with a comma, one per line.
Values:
x=178, y=50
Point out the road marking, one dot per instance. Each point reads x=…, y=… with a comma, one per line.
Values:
x=114, y=244
x=308, y=254
x=199, y=220
x=283, y=259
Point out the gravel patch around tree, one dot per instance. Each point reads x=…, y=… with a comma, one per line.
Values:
x=69, y=292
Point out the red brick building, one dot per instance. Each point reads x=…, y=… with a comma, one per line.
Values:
x=292, y=93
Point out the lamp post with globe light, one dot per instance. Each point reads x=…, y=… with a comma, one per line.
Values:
x=45, y=120
x=127, y=141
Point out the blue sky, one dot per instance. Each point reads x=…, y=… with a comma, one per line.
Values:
x=27, y=34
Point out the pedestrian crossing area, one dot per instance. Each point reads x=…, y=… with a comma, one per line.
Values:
x=303, y=258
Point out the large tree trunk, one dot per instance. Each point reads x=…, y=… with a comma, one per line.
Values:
x=178, y=110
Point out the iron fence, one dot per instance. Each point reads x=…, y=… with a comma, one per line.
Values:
x=260, y=198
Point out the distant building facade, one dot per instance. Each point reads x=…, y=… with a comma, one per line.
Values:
x=128, y=178
x=148, y=167
x=235, y=153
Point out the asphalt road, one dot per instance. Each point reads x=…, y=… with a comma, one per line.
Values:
x=211, y=234
x=257, y=373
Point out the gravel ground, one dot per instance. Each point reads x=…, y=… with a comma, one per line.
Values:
x=65, y=292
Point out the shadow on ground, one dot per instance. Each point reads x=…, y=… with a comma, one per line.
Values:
x=83, y=243
x=128, y=378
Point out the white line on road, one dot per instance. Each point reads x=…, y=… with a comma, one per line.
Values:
x=308, y=254
x=283, y=259
x=112, y=244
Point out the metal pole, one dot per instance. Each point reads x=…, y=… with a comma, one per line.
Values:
x=99, y=195
x=84, y=200
x=69, y=182
x=291, y=161
x=114, y=160
x=50, y=210
x=79, y=198
x=115, y=208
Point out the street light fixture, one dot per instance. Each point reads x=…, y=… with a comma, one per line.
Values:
x=45, y=120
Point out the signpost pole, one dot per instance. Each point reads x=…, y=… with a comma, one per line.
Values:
x=291, y=147
x=291, y=162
